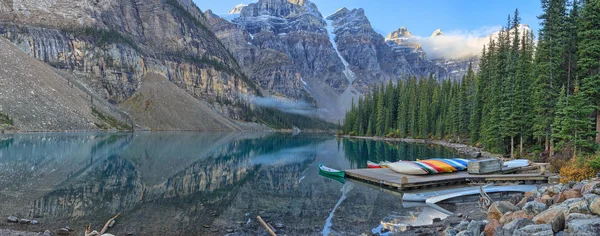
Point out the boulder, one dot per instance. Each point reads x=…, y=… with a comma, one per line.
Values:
x=476, y=227
x=535, y=230
x=12, y=219
x=578, y=216
x=568, y=202
x=491, y=227
x=462, y=226
x=554, y=189
x=510, y=228
x=507, y=217
x=558, y=198
x=587, y=188
x=516, y=215
x=584, y=226
x=554, y=216
x=63, y=231
x=449, y=232
x=580, y=206
x=532, y=193
x=594, y=205
x=524, y=201
x=498, y=209
x=47, y=233
x=571, y=193
x=535, y=207
x=546, y=199
x=578, y=187
x=465, y=233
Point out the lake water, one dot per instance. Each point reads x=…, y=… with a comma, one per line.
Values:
x=201, y=183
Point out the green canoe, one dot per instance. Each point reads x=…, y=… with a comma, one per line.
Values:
x=331, y=172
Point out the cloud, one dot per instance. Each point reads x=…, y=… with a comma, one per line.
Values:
x=283, y=104
x=457, y=43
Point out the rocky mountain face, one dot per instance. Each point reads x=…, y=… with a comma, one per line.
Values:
x=284, y=47
x=111, y=45
x=290, y=50
x=401, y=40
x=370, y=58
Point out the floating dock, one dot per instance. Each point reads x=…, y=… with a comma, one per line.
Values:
x=389, y=178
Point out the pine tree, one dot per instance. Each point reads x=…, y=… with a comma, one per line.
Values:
x=589, y=57
x=380, y=113
x=571, y=123
x=548, y=73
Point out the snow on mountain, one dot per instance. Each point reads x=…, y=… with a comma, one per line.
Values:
x=237, y=9
x=437, y=32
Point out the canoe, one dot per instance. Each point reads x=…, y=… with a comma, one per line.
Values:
x=384, y=164
x=408, y=167
x=373, y=165
x=429, y=167
x=336, y=178
x=330, y=171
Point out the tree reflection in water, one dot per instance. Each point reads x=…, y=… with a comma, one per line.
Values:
x=178, y=183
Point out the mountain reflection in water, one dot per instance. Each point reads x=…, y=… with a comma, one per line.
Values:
x=185, y=183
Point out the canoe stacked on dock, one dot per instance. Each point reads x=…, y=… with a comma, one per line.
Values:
x=427, y=167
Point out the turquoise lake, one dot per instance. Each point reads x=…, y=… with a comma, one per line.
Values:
x=188, y=183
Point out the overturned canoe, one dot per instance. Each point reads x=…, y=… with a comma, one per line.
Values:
x=431, y=166
x=373, y=165
x=330, y=171
x=408, y=167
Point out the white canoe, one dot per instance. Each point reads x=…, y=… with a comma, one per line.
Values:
x=407, y=167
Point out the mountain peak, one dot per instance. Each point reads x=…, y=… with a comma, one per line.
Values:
x=437, y=32
x=237, y=9
x=280, y=8
x=401, y=32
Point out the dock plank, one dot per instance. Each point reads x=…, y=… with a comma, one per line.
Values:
x=390, y=178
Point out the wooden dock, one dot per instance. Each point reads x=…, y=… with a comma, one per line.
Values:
x=389, y=178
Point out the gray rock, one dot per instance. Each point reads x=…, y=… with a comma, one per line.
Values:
x=535, y=230
x=34, y=222
x=449, y=232
x=580, y=206
x=462, y=226
x=476, y=227
x=466, y=233
x=578, y=216
x=584, y=226
x=534, y=207
x=568, y=202
x=63, y=231
x=12, y=219
x=279, y=225
x=510, y=228
x=24, y=221
x=47, y=233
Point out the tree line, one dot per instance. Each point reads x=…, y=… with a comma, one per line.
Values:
x=527, y=95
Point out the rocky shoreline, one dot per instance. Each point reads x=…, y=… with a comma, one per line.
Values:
x=562, y=209
x=470, y=151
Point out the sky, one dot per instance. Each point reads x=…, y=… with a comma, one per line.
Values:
x=422, y=17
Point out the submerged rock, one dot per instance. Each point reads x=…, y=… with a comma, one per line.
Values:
x=63, y=231
x=13, y=219
x=24, y=221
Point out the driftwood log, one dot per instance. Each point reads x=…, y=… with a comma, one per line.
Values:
x=109, y=224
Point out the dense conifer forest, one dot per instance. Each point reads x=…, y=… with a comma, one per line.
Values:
x=531, y=95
